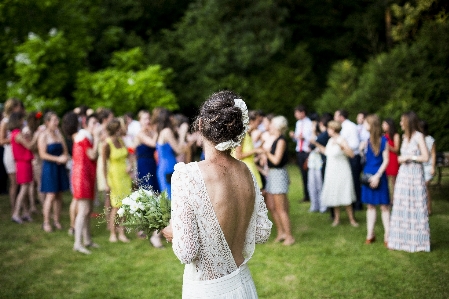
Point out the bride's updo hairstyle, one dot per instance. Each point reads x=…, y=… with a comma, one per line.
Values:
x=219, y=120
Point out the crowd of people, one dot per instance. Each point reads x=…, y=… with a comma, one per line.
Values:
x=101, y=158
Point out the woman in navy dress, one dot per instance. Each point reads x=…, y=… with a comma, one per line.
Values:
x=54, y=154
x=376, y=192
x=145, y=142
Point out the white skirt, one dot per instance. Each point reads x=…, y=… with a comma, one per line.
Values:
x=8, y=159
x=237, y=285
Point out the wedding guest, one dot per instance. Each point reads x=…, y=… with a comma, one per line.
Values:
x=394, y=143
x=375, y=190
x=132, y=128
x=338, y=188
x=409, y=224
x=246, y=151
x=302, y=135
x=104, y=117
x=349, y=134
x=23, y=156
x=118, y=174
x=429, y=166
x=145, y=143
x=181, y=123
x=315, y=179
x=11, y=105
x=277, y=179
x=54, y=154
x=168, y=146
x=70, y=127
x=362, y=132
x=218, y=213
x=85, y=152
x=34, y=127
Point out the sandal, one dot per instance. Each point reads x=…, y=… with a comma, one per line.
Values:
x=57, y=225
x=82, y=249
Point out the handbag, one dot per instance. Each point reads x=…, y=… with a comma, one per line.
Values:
x=364, y=179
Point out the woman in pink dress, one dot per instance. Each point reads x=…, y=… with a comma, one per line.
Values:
x=84, y=156
x=394, y=144
x=21, y=149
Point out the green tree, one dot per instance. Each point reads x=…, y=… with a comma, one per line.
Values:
x=44, y=68
x=123, y=88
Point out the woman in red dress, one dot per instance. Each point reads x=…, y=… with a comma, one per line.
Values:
x=394, y=144
x=84, y=156
x=21, y=149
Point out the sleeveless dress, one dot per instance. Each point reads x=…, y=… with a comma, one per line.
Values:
x=146, y=167
x=338, y=187
x=54, y=176
x=393, y=164
x=409, y=222
x=23, y=158
x=199, y=242
x=380, y=195
x=166, y=166
x=247, y=146
x=118, y=179
x=8, y=158
x=277, y=178
x=83, y=168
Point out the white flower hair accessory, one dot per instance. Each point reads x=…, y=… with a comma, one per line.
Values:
x=230, y=144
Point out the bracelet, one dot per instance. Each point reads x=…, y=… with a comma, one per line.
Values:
x=414, y=158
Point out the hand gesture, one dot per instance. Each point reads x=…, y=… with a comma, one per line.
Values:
x=168, y=233
x=374, y=181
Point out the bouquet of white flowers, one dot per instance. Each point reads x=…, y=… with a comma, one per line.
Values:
x=145, y=210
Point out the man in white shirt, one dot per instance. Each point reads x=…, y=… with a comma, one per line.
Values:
x=350, y=134
x=361, y=131
x=302, y=135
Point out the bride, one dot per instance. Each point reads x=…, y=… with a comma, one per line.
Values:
x=218, y=213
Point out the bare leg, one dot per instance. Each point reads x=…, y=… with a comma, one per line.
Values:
x=18, y=204
x=112, y=225
x=370, y=221
x=385, y=209
x=57, y=207
x=49, y=198
x=351, y=216
x=429, y=200
x=30, y=191
x=336, y=216
x=280, y=207
x=12, y=190
x=391, y=183
x=80, y=223
x=72, y=213
x=269, y=201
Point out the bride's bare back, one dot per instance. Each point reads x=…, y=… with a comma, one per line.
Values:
x=231, y=191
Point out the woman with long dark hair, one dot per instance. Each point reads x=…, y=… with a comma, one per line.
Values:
x=409, y=225
x=393, y=145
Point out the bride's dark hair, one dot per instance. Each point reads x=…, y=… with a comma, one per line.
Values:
x=220, y=119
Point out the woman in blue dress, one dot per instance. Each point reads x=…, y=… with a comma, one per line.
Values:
x=375, y=190
x=168, y=146
x=54, y=154
x=145, y=142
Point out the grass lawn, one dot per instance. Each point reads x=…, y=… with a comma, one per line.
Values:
x=326, y=262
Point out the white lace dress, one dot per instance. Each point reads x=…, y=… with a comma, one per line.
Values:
x=199, y=242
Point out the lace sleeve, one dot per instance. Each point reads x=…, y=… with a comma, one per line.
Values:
x=263, y=224
x=184, y=222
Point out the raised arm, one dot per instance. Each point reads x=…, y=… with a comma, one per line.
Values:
x=279, y=152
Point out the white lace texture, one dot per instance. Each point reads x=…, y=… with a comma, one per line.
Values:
x=198, y=240
x=230, y=144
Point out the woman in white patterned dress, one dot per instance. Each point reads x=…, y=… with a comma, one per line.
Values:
x=409, y=221
x=218, y=213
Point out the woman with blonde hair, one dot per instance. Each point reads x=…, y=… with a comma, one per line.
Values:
x=277, y=179
x=374, y=179
x=11, y=105
x=338, y=187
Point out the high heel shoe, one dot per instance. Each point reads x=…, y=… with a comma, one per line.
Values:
x=82, y=249
x=289, y=242
x=16, y=220
x=369, y=241
x=279, y=239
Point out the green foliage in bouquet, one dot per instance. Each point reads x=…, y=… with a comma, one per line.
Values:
x=145, y=210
